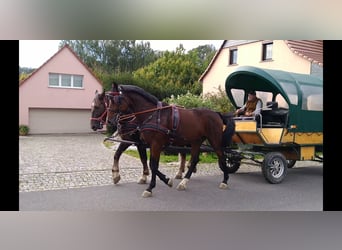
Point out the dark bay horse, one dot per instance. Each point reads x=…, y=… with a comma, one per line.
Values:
x=127, y=132
x=161, y=125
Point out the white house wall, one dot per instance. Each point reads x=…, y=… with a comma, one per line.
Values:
x=250, y=54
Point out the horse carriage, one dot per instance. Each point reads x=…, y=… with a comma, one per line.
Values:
x=289, y=127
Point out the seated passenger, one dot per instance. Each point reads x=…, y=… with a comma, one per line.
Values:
x=251, y=108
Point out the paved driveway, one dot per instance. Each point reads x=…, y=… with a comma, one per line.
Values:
x=74, y=172
x=49, y=162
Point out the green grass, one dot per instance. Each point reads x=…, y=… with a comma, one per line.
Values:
x=166, y=158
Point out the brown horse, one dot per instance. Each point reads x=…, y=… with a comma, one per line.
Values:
x=127, y=132
x=161, y=125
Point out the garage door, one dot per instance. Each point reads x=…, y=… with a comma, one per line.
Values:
x=46, y=121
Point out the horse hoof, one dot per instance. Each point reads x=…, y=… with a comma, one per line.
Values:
x=142, y=181
x=170, y=183
x=182, y=184
x=223, y=185
x=116, y=179
x=181, y=187
x=146, y=194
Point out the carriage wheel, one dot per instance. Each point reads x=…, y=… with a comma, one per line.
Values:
x=232, y=166
x=291, y=163
x=233, y=163
x=274, y=167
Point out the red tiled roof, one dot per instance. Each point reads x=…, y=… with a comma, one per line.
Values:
x=311, y=50
x=73, y=52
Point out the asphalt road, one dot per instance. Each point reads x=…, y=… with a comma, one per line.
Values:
x=302, y=190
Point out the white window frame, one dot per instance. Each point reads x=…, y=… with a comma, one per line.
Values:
x=60, y=81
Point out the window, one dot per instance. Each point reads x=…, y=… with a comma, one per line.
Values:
x=78, y=81
x=53, y=80
x=65, y=80
x=291, y=91
x=232, y=56
x=267, y=51
x=264, y=96
x=312, y=98
x=281, y=101
x=238, y=95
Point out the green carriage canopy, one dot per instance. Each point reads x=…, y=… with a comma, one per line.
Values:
x=303, y=93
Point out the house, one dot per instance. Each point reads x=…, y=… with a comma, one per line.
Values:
x=56, y=97
x=298, y=56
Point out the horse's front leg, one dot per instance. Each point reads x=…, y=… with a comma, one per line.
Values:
x=115, y=170
x=154, y=164
x=143, y=159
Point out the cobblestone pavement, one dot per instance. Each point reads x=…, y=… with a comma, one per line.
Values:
x=48, y=162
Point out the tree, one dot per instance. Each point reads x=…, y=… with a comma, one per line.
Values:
x=112, y=55
x=24, y=72
x=176, y=72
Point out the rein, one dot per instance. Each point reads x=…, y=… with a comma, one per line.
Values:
x=132, y=115
x=100, y=118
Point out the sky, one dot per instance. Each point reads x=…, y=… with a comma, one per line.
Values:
x=33, y=53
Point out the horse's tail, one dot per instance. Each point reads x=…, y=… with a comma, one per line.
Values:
x=229, y=128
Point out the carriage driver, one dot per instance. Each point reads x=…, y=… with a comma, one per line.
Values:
x=252, y=107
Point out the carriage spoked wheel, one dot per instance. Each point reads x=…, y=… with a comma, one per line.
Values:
x=274, y=167
x=291, y=163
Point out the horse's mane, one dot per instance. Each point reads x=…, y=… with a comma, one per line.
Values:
x=139, y=91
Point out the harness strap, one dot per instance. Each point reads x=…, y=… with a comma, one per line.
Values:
x=159, y=105
x=155, y=127
x=175, y=118
x=127, y=128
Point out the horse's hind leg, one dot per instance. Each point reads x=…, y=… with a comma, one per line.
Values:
x=182, y=161
x=143, y=159
x=217, y=146
x=115, y=170
x=224, y=168
x=193, y=162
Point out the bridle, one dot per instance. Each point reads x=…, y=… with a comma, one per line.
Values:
x=103, y=117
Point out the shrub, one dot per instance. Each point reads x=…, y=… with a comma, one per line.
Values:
x=215, y=101
x=23, y=130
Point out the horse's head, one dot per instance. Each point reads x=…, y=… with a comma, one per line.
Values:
x=128, y=101
x=117, y=105
x=98, y=111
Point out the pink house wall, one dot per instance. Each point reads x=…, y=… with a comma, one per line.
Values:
x=35, y=91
